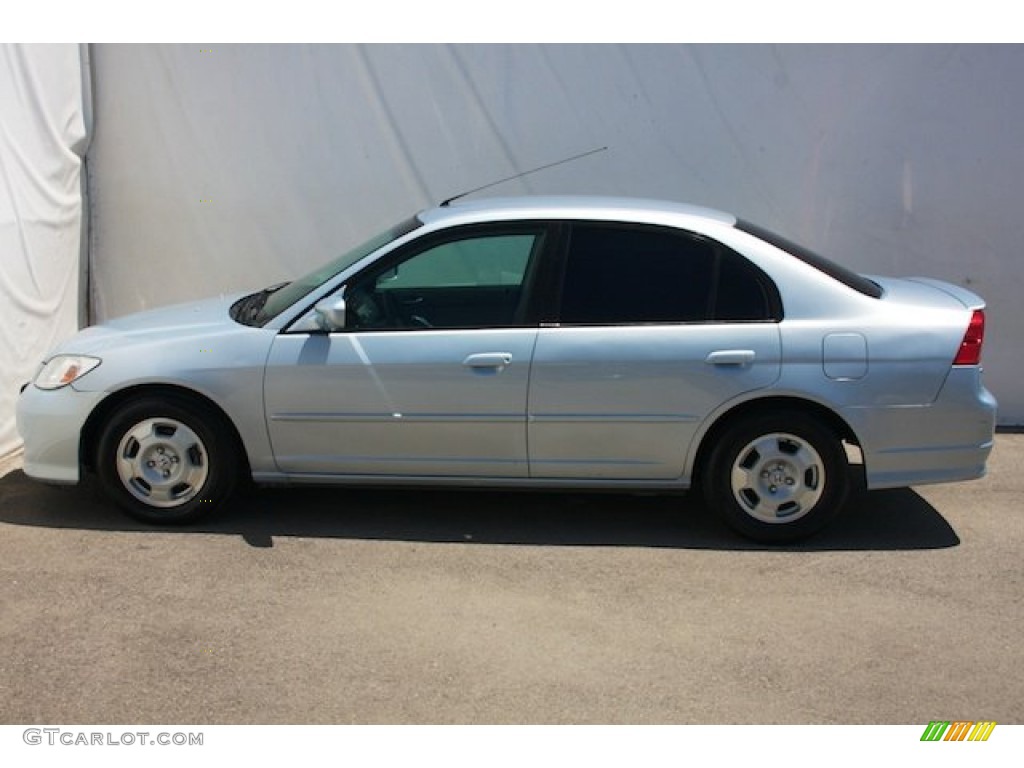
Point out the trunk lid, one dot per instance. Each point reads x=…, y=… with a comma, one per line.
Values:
x=926, y=291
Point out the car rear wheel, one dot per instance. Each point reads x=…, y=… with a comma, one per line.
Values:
x=777, y=477
x=166, y=460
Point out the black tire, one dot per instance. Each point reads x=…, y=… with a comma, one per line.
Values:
x=777, y=477
x=166, y=459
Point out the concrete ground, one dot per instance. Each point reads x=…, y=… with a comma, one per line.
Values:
x=340, y=606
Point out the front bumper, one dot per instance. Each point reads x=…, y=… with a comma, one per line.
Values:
x=50, y=423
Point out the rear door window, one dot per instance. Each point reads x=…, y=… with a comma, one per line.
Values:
x=632, y=274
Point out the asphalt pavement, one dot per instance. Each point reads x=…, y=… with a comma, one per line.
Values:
x=360, y=606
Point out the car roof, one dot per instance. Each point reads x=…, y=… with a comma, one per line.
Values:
x=573, y=207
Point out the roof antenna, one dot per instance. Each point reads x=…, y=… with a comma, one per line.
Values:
x=524, y=173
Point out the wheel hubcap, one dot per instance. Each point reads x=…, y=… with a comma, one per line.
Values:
x=778, y=478
x=162, y=462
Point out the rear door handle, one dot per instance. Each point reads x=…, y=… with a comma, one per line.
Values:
x=488, y=360
x=730, y=357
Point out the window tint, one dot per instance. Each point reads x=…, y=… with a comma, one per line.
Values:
x=635, y=275
x=473, y=281
x=639, y=274
x=744, y=293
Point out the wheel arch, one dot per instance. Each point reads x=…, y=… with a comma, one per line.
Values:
x=839, y=426
x=93, y=427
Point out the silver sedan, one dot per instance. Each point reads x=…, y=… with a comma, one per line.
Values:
x=537, y=342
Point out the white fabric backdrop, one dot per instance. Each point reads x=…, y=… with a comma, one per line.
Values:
x=236, y=166
x=42, y=141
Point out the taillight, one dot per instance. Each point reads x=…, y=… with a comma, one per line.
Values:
x=970, y=347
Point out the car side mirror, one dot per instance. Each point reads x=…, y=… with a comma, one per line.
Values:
x=330, y=313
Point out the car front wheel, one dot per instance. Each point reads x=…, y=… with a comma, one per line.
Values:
x=777, y=477
x=166, y=460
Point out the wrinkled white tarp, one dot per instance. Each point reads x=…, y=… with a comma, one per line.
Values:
x=222, y=167
x=43, y=137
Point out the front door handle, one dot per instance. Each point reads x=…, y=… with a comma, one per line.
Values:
x=730, y=357
x=489, y=361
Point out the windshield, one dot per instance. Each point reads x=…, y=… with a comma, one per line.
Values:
x=276, y=299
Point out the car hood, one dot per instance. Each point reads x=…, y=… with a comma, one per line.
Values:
x=195, y=318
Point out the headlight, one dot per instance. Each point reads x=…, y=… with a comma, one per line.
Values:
x=64, y=369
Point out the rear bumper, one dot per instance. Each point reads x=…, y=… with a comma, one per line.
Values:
x=50, y=424
x=946, y=441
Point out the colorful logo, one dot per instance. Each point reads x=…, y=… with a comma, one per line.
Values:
x=958, y=730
